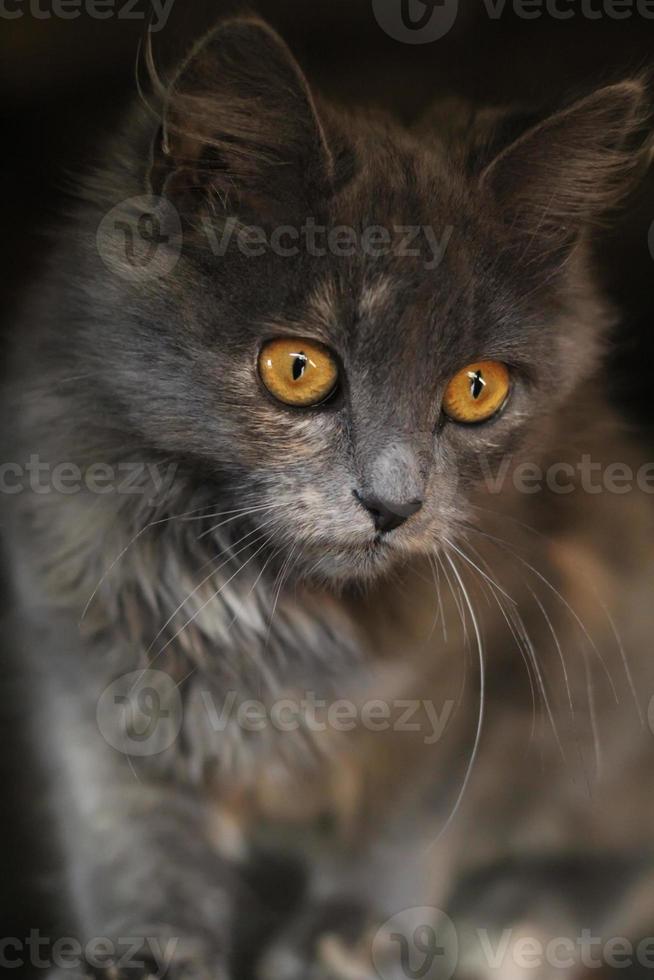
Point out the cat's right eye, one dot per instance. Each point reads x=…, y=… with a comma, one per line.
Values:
x=298, y=372
x=477, y=393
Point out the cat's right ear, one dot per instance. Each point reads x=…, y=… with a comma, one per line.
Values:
x=240, y=126
x=563, y=175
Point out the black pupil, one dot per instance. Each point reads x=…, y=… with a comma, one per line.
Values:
x=478, y=384
x=299, y=364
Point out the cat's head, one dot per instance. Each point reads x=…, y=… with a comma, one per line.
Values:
x=343, y=387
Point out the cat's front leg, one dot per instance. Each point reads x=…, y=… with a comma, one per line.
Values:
x=329, y=940
x=150, y=896
x=342, y=940
x=148, y=889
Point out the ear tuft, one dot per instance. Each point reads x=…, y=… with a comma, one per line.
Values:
x=240, y=122
x=567, y=172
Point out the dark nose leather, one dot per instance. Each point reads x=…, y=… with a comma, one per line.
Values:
x=386, y=515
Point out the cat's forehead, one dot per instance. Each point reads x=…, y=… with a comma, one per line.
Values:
x=368, y=298
x=376, y=295
x=363, y=300
x=464, y=306
x=397, y=239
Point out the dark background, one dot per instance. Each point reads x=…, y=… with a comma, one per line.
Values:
x=63, y=85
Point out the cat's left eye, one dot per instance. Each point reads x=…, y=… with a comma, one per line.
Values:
x=298, y=372
x=477, y=392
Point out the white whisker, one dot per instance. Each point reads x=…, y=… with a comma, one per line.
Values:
x=213, y=596
x=210, y=575
x=482, y=697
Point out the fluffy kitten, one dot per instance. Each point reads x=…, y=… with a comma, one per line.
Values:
x=231, y=565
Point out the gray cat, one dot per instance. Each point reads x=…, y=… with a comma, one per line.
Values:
x=307, y=544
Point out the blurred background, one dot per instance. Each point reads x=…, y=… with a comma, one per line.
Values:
x=63, y=86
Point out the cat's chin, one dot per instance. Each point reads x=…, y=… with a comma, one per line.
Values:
x=340, y=565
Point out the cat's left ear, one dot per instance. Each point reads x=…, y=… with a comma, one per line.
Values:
x=240, y=125
x=567, y=172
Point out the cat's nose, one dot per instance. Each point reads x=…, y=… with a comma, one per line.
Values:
x=388, y=515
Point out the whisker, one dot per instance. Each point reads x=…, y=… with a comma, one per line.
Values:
x=593, y=717
x=439, y=607
x=516, y=627
x=482, y=698
x=625, y=662
x=578, y=620
x=503, y=544
x=568, y=688
x=281, y=579
x=123, y=552
x=491, y=581
x=241, y=513
x=212, y=597
x=214, y=571
x=507, y=517
x=260, y=661
x=458, y=603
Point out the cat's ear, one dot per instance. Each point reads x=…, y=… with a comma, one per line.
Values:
x=240, y=124
x=567, y=172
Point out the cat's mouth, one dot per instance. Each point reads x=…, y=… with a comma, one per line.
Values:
x=352, y=560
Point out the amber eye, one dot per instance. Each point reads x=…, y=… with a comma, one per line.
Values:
x=477, y=392
x=298, y=372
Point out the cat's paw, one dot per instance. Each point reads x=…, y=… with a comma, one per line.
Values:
x=327, y=942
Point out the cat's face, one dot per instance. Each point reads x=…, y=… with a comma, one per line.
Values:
x=340, y=390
